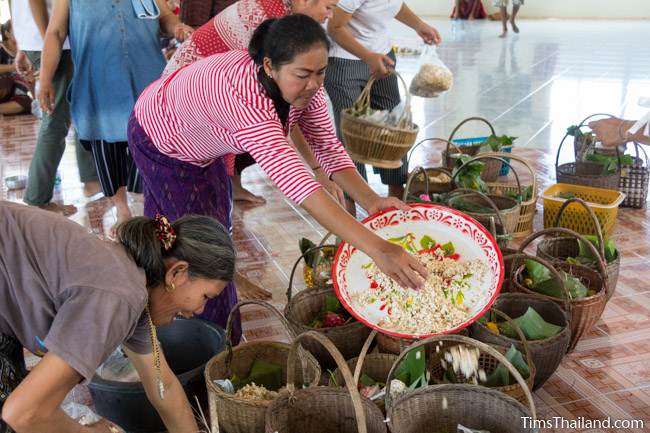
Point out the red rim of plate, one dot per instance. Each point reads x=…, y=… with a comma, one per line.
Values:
x=479, y=226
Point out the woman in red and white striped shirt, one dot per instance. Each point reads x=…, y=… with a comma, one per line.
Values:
x=239, y=102
x=232, y=29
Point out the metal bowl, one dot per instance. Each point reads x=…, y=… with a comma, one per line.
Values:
x=16, y=182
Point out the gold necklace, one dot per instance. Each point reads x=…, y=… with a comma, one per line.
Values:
x=155, y=348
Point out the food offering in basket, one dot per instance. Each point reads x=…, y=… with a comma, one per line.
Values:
x=433, y=76
x=465, y=273
x=317, y=270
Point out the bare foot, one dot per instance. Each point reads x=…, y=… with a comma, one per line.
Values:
x=246, y=289
x=504, y=34
x=514, y=27
x=91, y=188
x=63, y=209
x=122, y=216
x=242, y=194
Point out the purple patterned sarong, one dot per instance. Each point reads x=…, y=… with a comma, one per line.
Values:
x=175, y=188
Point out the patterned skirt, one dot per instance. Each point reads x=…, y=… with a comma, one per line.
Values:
x=175, y=188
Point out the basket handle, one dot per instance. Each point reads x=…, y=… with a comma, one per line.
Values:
x=417, y=171
x=470, y=342
x=362, y=355
x=561, y=230
x=637, y=146
x=462, y=192
x=469, y=119
x=528, y=166
x=362, y=104
x=342, y=366
x=295, y=265
x=416, y=145
x=493, y=156
x=592, y=215
x=567, y=294
x=582, y=124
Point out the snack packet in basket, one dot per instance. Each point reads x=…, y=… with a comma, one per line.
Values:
x=433, y=76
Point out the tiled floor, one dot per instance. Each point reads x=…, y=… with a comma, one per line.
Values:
x=531, y=86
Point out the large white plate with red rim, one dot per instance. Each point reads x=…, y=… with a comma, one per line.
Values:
x=471, y=240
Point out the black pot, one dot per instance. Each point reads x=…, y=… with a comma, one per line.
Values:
x=188, y=345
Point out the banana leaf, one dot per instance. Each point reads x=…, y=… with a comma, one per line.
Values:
x=312, y=258
x=585, y=251
x=501, y=376
x=537, y=272
x=551, y=287
x=412, y=370
x=469, y=206
x=263, y=373
x=532, y=325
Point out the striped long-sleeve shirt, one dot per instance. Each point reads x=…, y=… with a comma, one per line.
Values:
x=217, y=106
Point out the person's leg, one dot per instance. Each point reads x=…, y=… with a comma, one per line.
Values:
x=385, y=96
x=455, y=14
x=11, y=108
x=50, y=142
x=12, y=371
x=239, y=193
x=87, y=170
x=112, y=162
x=502, y=4
x=344, y=81
x=515, y=8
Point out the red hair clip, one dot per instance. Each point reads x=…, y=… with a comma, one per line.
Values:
x=164, y=231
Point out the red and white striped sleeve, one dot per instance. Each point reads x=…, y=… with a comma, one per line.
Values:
x=318, y=129
x=266, y=142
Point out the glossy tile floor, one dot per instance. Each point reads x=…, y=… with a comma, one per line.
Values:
x=532, y=86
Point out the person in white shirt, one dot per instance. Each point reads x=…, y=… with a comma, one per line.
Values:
x=362, y=48
x=30, y=20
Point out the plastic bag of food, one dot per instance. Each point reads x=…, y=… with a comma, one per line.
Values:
x=119, y=368
x=433, y=76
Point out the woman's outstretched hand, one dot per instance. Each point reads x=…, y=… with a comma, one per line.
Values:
x=382, y=203
x=402, y=267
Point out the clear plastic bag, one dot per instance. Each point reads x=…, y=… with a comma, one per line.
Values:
x=118, y=368
x=81, y=413
x=433, y=76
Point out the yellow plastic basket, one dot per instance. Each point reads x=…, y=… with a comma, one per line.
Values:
x=604, y=203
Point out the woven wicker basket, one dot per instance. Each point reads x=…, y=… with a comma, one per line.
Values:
x=634, y=180
x=439, y=408
x=238, y=415
x=471, y=149
x=396, y=345
x=505, y=209
x=585, y=312
x=547, y=354
x=509, y=264
x=421, y=181
x=559, y=248
x=586, y=173
x=372, y=143
x=489, y=363
x=301, y=310
x=322, y=409
x=528, y=207
x=374, y=365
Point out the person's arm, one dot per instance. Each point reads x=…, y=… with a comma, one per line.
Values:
x=7, y=69
x=55, y=36
x=170, y=24
x=266, y=143
x=612, y=132
x=174, y=409
x=34, y=406
x=40, y=15
x=299, y=141
x=428, y=34
x=338, y=29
